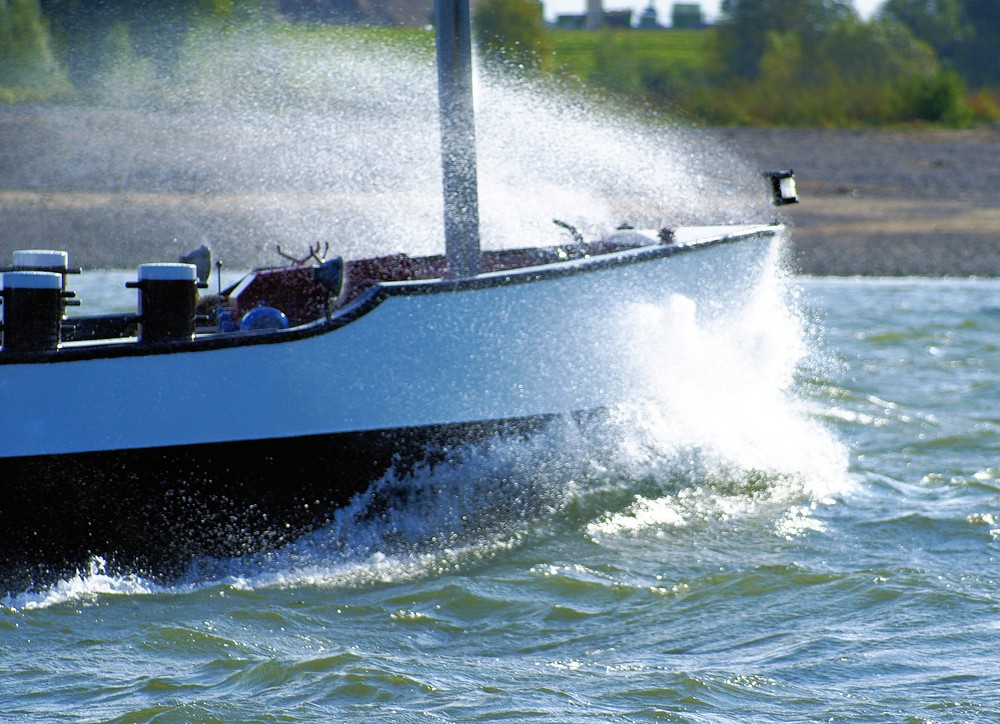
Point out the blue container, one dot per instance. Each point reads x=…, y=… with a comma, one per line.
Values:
x=263, y=318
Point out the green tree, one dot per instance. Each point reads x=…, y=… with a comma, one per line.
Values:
x=875, y=52
x=27, y=62
x=890, y=75
x=91, y=35
x=126, y=76
x=512, y=33
x=964, y=33
x=742, y=32
x=854, y=72
x=939, y=97
x=937, y=22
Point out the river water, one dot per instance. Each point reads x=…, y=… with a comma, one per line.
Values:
x=800, y=525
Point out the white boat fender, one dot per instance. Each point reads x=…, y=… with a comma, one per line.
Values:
x=262, y=318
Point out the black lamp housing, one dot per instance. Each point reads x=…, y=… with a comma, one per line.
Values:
x=782, y=187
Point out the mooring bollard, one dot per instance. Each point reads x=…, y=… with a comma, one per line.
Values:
x=167, y=298
x=33, y=308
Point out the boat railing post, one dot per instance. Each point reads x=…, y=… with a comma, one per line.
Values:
x=458, y=137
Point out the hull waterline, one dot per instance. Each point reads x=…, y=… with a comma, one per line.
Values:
x=150, y=455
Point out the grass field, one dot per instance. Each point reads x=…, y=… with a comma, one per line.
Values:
x=681, y=49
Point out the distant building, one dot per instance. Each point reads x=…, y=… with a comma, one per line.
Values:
x=595, y=17
x=618, y=18
x=571, y=22
x=649, y=20
x=595, y=14
x=687, y=15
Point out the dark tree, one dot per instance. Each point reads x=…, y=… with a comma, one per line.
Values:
x=937, y=22
x=512, y=33
x=964, y=33
x=27, y=61
x=978, y=59
x=155, y=29
x=743, y=30
x=81, y=28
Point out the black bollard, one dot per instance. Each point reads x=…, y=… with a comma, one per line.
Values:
x=32, y=310
x=167, y=298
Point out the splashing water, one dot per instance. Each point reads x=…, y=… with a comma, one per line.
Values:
x=597, y=169
x=716, y=422
x=543, y=150
x=85, y=585
x=712, y=433
x=269, y=138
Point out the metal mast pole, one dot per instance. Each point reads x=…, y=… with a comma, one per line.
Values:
x=458, y=137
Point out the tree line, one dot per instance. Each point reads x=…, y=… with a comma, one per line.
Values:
x=794, y=62
x=791, y=62
x=51, y=48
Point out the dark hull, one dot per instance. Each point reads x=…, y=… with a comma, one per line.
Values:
x=155, y=510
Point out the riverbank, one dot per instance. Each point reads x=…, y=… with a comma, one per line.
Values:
x=879, y=203
x=887, y=203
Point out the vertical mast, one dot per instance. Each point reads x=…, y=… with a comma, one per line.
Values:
x=458, y=137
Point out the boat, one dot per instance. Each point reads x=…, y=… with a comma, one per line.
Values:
x=235, y=422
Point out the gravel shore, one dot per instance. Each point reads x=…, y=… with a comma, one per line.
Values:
x=884, y=203
x=888, y=203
